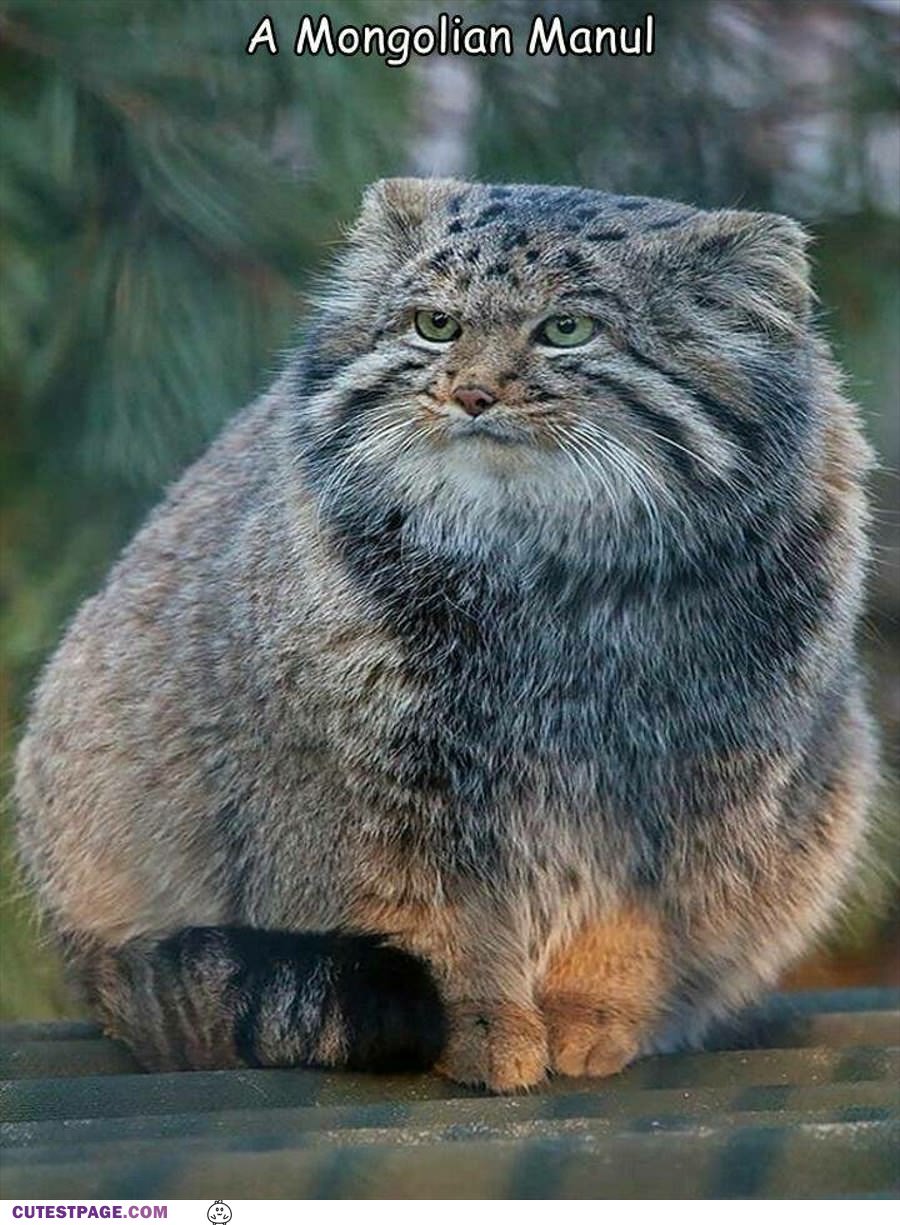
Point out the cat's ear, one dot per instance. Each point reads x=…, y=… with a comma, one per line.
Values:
x=752, y=266
x=394, y=209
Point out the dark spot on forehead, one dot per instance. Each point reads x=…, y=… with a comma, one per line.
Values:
x=496, y=270
x=440, y=259
x=585, y=214
x=576, y=262
x=455, y=205
x=614, y=234
x=489, y=213
x=631, y=204
x=518, y=238
x=500, y=193
x=473, y=253
x=532, y=256
x=666, y=223
x=455, y=227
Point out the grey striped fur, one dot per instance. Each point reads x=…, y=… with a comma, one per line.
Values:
x=569, y=708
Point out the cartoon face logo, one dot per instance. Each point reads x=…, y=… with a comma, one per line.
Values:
x=218, y=1213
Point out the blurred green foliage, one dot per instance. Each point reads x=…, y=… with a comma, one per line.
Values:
x=166, y=199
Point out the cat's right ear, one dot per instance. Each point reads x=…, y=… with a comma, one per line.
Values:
x=394, y=210
x=751, y=266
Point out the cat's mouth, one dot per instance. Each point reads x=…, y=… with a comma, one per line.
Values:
x=487, y=428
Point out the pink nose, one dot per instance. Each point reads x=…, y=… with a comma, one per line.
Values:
x=475, y=400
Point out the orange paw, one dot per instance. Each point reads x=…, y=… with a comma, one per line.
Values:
x=502, y=1047
x=585, y=1040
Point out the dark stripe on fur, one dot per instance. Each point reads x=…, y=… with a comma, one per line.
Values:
x=612, y=234
x=318, y=366
x=323, y=450
x=215, y=997
x=661, y=424
x=597, y=294
x=746, y=433
x=364, y=399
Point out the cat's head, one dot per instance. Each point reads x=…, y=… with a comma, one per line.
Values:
x=556, y=348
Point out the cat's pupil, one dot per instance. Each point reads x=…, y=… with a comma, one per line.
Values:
x=565, y=324
x=438, y=319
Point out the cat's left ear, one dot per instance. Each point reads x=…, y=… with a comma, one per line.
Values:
x=751, y=266
x=394, y=210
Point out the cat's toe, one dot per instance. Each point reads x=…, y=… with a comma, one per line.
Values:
x=501, y=1047
x=583, y=1042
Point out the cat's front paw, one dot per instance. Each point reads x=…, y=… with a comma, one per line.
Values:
x=502, y=1046
x=584, y=1039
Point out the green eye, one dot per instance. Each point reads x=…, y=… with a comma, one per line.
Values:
x=437, y=326
x=566, y=331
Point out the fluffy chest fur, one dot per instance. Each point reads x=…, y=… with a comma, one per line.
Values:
x=562, y=700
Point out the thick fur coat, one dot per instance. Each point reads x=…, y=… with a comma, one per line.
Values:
x=546, y=719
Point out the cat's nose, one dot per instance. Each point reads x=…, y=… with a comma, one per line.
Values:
x=475, y=400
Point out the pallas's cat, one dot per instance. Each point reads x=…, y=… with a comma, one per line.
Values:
x=487, y=694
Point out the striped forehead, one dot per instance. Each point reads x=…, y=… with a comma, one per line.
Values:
x=501, y=247
x=556, y=213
